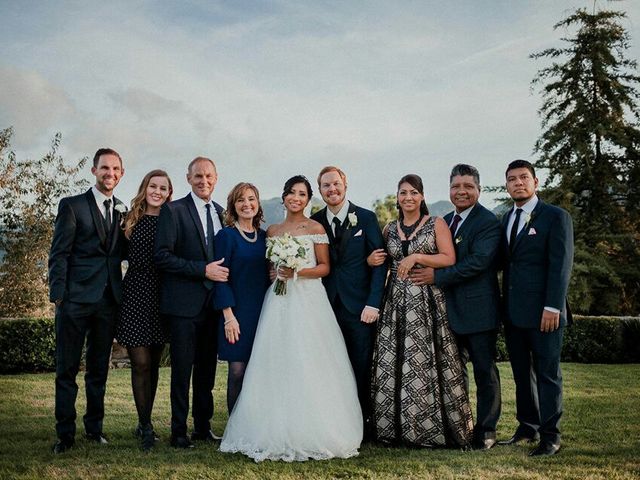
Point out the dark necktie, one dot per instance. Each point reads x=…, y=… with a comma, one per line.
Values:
x=210, y=251
x=337, y=229
x=454, y=225
x=107, y=215
x=514, y=229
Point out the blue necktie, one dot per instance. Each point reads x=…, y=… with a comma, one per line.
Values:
x=210, y=252
x=514, y=229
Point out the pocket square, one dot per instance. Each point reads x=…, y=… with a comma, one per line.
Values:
x=532, y=231
x=358, y=233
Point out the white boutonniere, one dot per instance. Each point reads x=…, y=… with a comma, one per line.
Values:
x=458, y=239
x=353, y=219
x=527, y=219
x=120, y=208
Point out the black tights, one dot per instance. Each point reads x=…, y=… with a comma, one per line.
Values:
x=234, y=383
x=145, y=364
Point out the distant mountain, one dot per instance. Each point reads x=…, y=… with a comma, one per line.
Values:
x=440, y=208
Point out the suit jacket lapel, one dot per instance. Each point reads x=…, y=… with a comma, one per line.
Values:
x=527, y=225
x=98, y=219
x=322, y=216
x=198, y=223
x=467, y=221
x=115, y=225
x=347, y=232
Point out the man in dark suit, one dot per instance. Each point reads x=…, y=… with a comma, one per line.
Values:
x=354, y=289
x=184, y=253
x=472, y=295
x=537, y=257
x=85, y=285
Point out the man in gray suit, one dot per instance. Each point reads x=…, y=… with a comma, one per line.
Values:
x=537, y=254
x=472, y=295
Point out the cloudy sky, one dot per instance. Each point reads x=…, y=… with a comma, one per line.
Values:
x=270, y=89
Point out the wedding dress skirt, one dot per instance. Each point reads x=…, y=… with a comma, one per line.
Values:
x=299, y=399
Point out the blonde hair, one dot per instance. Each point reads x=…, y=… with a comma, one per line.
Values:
x=139, y=202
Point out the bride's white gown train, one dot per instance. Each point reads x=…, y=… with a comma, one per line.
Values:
x=299, y=399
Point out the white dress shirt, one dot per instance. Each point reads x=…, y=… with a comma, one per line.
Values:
x=341, y=215
x=100, y=198
x=202, y=213
x=527, y=209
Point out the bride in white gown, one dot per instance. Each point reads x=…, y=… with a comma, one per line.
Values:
x=299, y=399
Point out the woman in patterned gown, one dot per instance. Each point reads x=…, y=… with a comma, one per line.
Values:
x=299, y=399
x=418, y=389
x=139, y=328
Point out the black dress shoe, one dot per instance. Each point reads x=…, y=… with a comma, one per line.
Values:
x=147, y=436
x=519, y=438
x=483, y=443
x=97, y=438
x=205, y=437
x=545, y=448
x=181, y=442
x=62, y=445
x=138, y=433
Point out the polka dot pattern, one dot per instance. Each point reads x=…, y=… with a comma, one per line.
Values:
x=139, y=323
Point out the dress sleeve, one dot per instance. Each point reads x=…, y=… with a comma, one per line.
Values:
x=320, y=238
x=223, y=294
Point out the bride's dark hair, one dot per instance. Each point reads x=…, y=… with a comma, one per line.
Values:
x=288, y=185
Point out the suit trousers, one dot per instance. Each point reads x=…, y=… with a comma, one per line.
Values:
x=535, y=362
x=75, y=322
x=358, y=338
x=480, y=348
x=194, y=349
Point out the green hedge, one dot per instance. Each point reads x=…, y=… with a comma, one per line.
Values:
x=28, y=344
x=596, y=340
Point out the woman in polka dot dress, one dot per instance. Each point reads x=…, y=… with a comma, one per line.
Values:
x=139, y=328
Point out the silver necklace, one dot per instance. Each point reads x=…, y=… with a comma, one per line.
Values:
x=250, y=240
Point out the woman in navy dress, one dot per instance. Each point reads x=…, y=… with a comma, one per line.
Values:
x=242, y=244
x=139, y=328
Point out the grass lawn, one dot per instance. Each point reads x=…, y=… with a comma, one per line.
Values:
x=601, y=438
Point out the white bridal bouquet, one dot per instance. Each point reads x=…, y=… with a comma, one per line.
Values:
x=285, y=251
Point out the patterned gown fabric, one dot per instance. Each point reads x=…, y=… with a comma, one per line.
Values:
x=139, y=324
x=418, y=390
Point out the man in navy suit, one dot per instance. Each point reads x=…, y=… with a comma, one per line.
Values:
x=184, y=254
x=472, y=295
x=353, y=287
x=537, y=257
x=85, y=285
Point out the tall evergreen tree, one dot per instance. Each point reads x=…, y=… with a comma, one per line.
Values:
x=590, y=146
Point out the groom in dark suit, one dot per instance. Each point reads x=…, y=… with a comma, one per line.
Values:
x=184, y=254
x=472, y=295
x=537, y=252
x=85, y=285
x=354, y=289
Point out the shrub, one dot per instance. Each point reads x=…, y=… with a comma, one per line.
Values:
x=595, y=340
x=27, y=345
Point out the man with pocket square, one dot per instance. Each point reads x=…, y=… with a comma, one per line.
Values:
x=353, y=287
x=537, y=253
